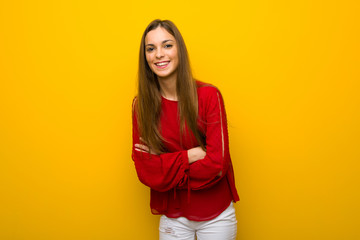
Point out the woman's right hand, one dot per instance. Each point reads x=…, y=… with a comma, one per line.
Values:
x=195, y=154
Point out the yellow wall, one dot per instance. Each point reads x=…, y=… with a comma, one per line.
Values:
x=289, y=73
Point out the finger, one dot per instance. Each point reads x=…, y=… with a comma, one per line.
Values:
x=142, y=147
x=139, y=150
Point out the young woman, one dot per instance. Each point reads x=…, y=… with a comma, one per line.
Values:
x=180, y=142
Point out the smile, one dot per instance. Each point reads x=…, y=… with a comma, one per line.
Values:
x=162, y=64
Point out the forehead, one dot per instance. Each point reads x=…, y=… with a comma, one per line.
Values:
x=157, y=36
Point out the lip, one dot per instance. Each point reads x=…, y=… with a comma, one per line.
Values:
x=163, y=66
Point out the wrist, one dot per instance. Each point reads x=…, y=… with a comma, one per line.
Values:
x=190, y=156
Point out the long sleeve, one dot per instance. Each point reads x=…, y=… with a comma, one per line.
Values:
x=208, y=171
x=199, y=191
x=160, y=172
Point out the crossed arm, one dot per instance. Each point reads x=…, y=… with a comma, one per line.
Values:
x=194, y=168
x=194, y=154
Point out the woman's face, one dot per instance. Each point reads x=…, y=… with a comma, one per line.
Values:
x=161, y=52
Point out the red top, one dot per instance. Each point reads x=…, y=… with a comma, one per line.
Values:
x=179, y=189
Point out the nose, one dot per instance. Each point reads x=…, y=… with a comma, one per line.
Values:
x=159, y=53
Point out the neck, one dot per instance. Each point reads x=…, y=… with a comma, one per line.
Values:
x=168, y=87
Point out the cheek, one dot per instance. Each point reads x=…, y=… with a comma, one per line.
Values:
x=176, y=57
x=175, y=54
x=148, y=60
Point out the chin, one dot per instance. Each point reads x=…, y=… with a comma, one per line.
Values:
x=164, y=75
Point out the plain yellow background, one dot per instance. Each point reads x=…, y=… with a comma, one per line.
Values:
x=289, y=74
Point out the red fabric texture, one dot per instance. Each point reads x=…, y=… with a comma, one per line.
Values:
x=199, y=191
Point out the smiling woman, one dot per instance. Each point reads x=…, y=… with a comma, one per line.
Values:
x=161, y=55
x=180, y=142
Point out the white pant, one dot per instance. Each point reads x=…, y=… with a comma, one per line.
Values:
x=223, y=227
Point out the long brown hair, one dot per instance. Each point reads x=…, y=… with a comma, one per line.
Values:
x=148, y=104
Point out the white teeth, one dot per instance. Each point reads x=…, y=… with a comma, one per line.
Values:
x=161, y=64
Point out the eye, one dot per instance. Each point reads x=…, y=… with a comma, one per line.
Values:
x=168, y=46
x=150, y=49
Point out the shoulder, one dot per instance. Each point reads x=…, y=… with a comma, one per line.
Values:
x=207, y=90
x=134, y=100
x=134, y=103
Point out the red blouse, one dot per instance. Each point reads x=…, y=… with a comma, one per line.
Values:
x=199, y=191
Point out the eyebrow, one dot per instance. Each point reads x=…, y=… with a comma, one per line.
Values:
x=150, y=44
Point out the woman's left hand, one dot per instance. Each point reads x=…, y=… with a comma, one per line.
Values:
x=144, y=148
